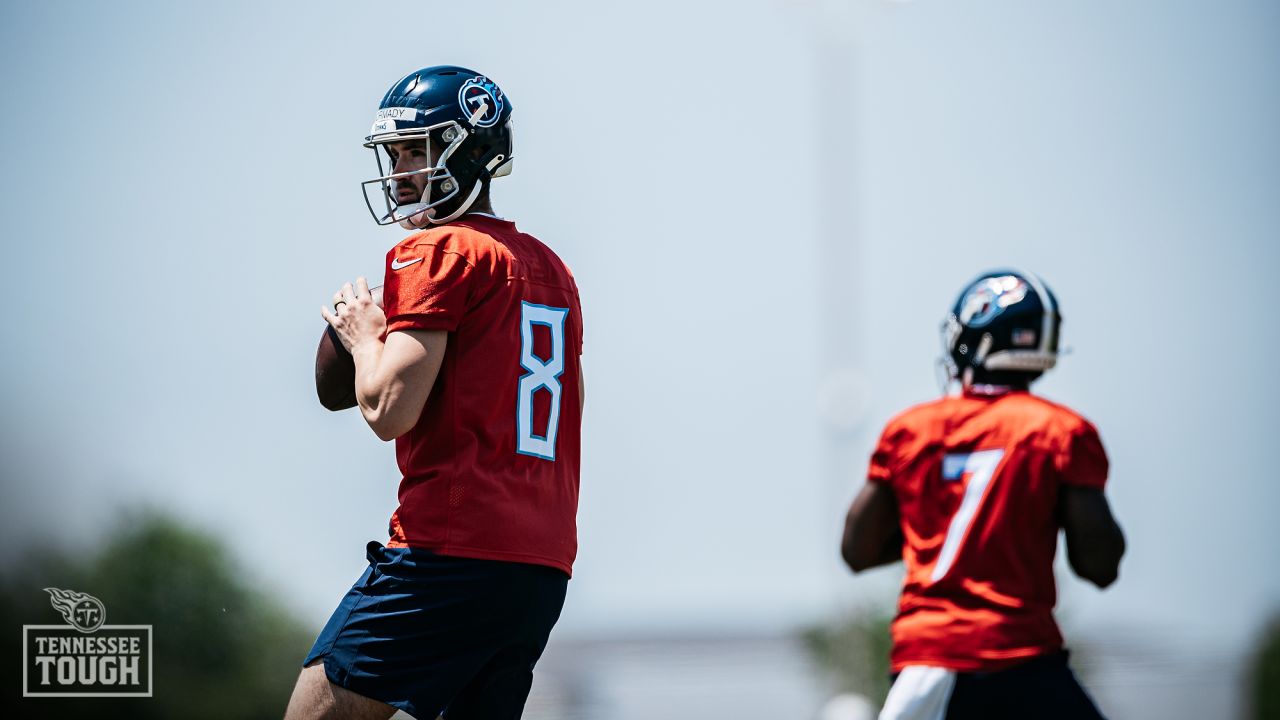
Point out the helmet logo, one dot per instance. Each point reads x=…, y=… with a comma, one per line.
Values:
x=989, y=297
x=481, y=92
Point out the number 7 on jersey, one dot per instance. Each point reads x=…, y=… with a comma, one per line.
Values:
x=980, y=467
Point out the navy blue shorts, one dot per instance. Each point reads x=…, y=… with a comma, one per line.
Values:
x=432, y=634
x=1043, y=688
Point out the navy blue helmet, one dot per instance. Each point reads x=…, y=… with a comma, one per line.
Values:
x=462, y=120
x=1005, y=321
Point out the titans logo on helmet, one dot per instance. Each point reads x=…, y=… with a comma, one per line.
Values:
x=481, y=91
x=989, y=298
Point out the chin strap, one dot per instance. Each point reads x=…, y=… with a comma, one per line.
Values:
x=424, y=216
x=462, y=208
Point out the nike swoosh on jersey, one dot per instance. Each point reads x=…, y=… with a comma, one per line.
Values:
x=396, y=264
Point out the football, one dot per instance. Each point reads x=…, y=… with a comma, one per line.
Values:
x=335, y=373
x=336, y=369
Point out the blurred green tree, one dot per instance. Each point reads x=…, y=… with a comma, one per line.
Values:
x=853, y=651
x=1264, y=674
x=222, y=647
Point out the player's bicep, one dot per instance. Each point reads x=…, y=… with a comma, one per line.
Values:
x=412, y=358
x=1084, y=511
x=409, y=364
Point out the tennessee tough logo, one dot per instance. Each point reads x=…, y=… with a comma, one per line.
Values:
x=85, y=657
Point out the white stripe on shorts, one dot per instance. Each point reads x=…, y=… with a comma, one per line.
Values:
x=921, y=692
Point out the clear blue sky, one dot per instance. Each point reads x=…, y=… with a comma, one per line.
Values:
x=180, y=195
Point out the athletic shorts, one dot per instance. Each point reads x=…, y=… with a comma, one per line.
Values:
x=1043, y=688
x=432, y=634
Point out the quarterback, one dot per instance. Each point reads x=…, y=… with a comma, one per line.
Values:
x=470, y=362
x=970, y=491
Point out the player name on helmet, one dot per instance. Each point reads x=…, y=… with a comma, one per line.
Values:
x=397, y=113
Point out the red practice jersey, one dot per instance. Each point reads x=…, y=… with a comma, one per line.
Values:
x=490, y=470
x=976, y=479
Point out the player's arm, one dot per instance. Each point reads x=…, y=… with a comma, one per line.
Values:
x=393, y=377
x=1095, y=542
x=872, y=534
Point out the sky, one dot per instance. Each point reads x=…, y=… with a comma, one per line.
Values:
x=768, y=206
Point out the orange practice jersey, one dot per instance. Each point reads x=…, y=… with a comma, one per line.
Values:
x=976, y=479
x=490, y=470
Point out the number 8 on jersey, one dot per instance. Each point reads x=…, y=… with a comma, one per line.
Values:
x=543, y=373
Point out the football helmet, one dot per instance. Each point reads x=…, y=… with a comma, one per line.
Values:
x=462, y=120
x=1005, y=321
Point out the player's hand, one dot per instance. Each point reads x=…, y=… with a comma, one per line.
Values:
x=356, y=317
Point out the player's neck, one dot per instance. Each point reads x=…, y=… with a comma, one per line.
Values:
x=482, y=205
x=992, y=390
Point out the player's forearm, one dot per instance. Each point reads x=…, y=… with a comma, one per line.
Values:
x=859, y=557
x=1095, y=542
x=1095, y=554
x=892, y=551
x=872, y=536
x=376, y=391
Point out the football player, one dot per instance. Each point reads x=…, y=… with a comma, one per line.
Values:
x=970, y=491
x=472, y=366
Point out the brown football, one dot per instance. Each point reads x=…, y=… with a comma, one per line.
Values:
x=335, y=373
x=336, y=369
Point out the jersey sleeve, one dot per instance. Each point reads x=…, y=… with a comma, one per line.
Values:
x=433, y=292
x=884, y=459
x=1082, y=460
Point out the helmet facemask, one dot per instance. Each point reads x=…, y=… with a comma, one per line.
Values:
x=441, y=199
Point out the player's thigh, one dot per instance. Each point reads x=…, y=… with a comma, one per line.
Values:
x=315, y=698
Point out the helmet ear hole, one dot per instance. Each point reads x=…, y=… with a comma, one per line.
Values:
x=503, y=169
